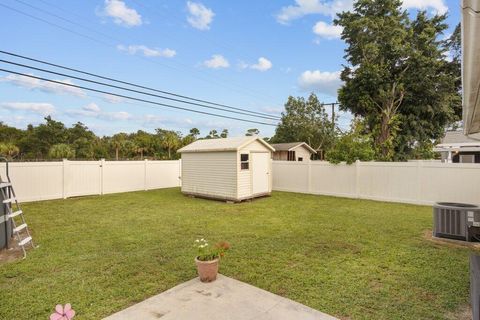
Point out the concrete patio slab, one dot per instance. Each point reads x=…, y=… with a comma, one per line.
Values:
x=225, y=298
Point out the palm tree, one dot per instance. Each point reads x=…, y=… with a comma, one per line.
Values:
x=117, y=142
x=61, y=151
x=170, y=141
x=9, y=150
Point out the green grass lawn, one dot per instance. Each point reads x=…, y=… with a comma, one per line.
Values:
x=349, y=258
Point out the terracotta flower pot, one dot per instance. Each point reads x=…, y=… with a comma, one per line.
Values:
x=207, y=270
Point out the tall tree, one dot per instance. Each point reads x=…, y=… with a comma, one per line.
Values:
x=213, y=134
x=252, y=132
x=224, y=133
x=170, y=140
x=194, y=132
x=453, y=46
x=306, y=121
x=395, y=75
x=352, y=146
x=117, y=141
x=61, y=151
x=10, y=134
x=82, y=140
x=144, y=142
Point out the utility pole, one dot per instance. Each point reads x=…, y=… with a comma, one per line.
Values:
x=333, y=115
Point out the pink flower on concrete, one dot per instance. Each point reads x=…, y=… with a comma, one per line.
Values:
x=63, y=313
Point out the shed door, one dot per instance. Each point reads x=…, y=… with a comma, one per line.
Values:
x=260, y=172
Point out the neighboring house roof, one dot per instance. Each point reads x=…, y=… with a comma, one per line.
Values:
x=222, y=144
x=471, y=65
x=457, y=141
x=291, y=145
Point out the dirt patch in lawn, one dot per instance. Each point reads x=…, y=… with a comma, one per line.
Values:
x=452, y=243
x=463, y=313
x=12, y=254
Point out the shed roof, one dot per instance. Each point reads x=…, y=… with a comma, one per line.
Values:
x=222, y=144
x=289, y=146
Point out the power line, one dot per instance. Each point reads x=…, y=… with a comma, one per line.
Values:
x=133, y=98
x=66, y=20
x=132, y=90
x=53, y=24
x=260, y=114
x=185, y=67
x=175, y=15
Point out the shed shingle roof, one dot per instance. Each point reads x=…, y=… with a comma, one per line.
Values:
x=222, y=144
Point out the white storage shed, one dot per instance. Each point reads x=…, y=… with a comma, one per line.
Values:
x=231, y=169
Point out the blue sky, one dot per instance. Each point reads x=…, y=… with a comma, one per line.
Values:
x=249, y=54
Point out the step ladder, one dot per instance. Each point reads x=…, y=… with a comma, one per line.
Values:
x=14, y=213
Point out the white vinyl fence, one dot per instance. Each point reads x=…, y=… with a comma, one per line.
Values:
x=410, y=182
x=35, y=181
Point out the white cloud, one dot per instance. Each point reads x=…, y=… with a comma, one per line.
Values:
x=436, y=6
x=217, y=61
x=200, y=17
x=92, y=110
x=41, y=108
x=263, y=64
x=45, y=86
x=324, y=82
x=146, y=51
x=306, y=7
x=327, y=31
x=112, y=99
x=92, y=107
x=122, y=14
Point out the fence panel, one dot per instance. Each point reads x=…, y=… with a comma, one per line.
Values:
x=35, y=181
x=450, y=182
x=332, y=180
x=388, y=181
x=162, y=174
x=123, y=176
x=83, y=178
x=409, y=182
x=290, y=176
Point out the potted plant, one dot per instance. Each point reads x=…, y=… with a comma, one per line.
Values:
x=208, y=257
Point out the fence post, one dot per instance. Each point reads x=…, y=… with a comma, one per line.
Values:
x=64, y=178
x=145, y=161
x=357, y=179
x=102, y=168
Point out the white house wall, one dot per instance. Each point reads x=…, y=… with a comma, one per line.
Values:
x=302, y=152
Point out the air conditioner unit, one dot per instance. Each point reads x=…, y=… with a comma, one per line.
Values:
x=456, y=221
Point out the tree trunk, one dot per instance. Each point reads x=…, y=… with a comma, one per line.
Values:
x=384, y=135
x=169, y=156
x=116, y=153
